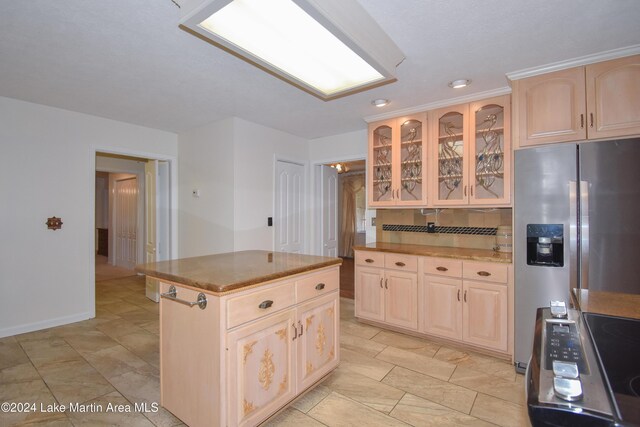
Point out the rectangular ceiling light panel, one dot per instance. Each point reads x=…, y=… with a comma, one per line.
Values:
x=286, y=37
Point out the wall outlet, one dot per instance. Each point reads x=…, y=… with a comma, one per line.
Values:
x=195, y=193
x=373, y=221
x=270, y=221
x=431, y=227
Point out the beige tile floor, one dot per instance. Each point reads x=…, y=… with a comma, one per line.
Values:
x=384, y=379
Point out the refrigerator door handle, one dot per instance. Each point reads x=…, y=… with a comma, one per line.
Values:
x=584, y=234
x=573, y=235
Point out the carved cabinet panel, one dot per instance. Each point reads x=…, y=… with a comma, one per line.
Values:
x=261, y=362
x=319, y=339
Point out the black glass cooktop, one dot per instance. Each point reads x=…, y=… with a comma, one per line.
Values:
x=617, y=341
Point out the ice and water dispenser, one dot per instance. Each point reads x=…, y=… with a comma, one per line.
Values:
x=545, y=245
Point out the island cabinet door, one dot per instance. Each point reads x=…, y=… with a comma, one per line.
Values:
x=260, y=376
x=318, y=339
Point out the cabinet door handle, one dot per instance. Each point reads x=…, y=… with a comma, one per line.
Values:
x=581, y=121
x=301, y=328
x=320, y=286
x=265, y=304
x=400, y=264
x=471, y=188
x=295, y=332
x=442, y=269
x=368, y=260
x=385, y=284
x=465, y=191
x=381, y=283
x=465, y=296
x=590, y=120
x=484, y=273
x=458, y=294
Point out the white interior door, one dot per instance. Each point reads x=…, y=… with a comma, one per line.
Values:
x=150, y=249
x=329, y=211
x=126, y=222
x=289, y=207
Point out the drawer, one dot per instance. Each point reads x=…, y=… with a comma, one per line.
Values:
x=486, y=271
x=401, y=262
x=443, y=267
x=245, y=308
x=370, y=258
x=316, y=285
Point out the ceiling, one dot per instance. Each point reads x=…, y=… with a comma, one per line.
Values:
x=127, y=59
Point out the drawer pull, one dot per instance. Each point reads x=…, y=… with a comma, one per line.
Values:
x=265, y=304
x=484, y=273
x=368, y=260
x=172, y=295
x=301, y=328
x=295, y=332
x=320, y=286
x=442, y=269
x=400, y=264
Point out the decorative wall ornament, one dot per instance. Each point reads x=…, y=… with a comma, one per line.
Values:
x=267, y=369
x=54, y=223
x=320, y=339
x=248, y=349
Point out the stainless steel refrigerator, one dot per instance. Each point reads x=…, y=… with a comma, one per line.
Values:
x=577, y=225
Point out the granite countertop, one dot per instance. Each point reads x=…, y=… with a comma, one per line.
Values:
x=608, y=303
x=231, y=271
x=438, y=251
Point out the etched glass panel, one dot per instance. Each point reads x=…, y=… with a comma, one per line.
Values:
x=450, y=157
x=411, y=146
x=489, y=152
x=382, y=169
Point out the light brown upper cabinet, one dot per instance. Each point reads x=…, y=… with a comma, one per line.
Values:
x=397, y=162
x=471, y=154
x=596, y=101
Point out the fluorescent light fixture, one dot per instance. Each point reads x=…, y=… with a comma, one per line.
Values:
x=457, y=84
x=329, y=48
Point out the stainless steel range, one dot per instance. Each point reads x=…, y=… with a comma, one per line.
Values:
x=584, y=370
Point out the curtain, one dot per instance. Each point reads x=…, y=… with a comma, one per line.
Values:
x=350, y=185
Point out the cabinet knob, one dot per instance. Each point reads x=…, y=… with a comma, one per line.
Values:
x=265, y=304
x=320, y=286
x=400, y=264
x=368, y=260
x=442, y=269
x=484, y=273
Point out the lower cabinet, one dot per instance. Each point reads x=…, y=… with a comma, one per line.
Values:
x=387, y=295
x=465, y=301
x=246, y=355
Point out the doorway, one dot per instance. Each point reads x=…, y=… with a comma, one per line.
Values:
x=132, y=209
x=343, y=217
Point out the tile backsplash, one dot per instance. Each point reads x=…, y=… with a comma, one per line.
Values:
x=481, y=218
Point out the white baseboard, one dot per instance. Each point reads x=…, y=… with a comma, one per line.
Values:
x=44, y=324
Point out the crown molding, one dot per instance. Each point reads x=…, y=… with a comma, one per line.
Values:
x=575, y=62
x=439, y=104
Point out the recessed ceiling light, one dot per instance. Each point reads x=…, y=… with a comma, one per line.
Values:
x=380, y=102
x=317, y=46
x=457, y=84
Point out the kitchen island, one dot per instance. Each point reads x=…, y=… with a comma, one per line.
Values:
x=243, y=334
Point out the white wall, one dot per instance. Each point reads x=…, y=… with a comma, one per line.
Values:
x=206, y=163
x=256, y=149
x=345, y=146
x=47, y=168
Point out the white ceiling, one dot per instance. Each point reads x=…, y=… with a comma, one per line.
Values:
x=127, y=59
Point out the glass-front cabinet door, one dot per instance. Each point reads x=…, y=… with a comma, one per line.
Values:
x=412, y=188
x=449, y=156
x=489, y=181
x=381, y=170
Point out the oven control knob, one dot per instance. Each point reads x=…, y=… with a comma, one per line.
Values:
x=567, y=388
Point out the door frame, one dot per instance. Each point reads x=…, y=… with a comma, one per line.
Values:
x=305, y=200
x=316, y=217
x=173, y=197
